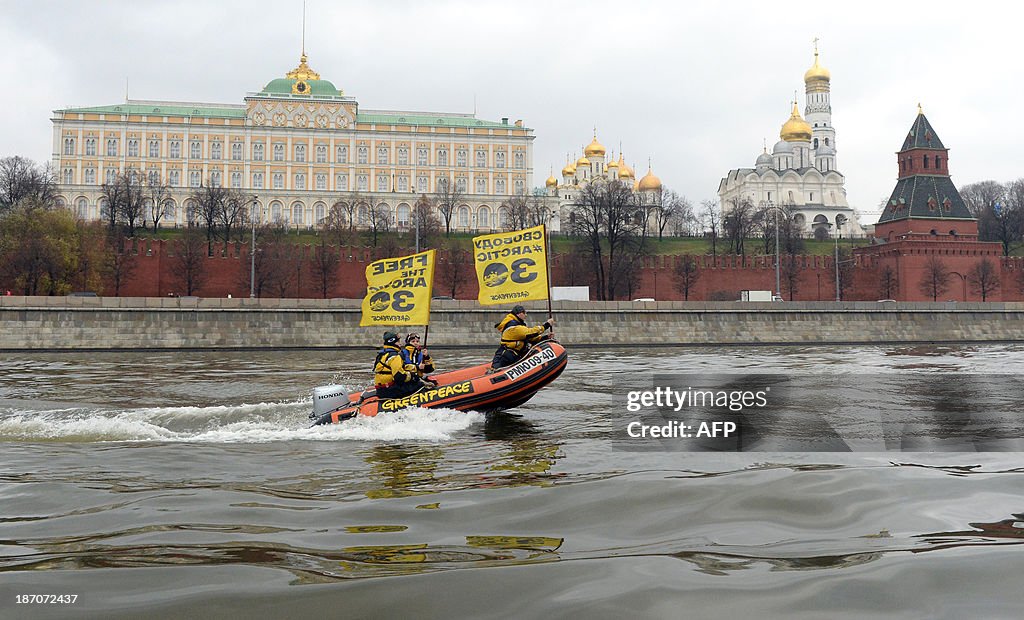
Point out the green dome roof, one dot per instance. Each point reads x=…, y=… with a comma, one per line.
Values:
x=302, y=73
x=283, y=86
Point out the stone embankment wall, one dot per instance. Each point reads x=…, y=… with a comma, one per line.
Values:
x=61, y=323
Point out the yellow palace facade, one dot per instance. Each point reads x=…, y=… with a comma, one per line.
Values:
x=298, y=146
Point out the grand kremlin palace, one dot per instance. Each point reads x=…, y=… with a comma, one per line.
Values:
x=299, y=145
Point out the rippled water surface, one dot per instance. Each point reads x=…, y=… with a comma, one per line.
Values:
x=189, y=484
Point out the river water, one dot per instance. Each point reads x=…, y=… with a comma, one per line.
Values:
x=189, y=484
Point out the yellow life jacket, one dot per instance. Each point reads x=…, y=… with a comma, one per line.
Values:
x=515, y=335
x=385, y=370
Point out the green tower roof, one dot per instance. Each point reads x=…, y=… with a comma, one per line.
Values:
x=301, y=81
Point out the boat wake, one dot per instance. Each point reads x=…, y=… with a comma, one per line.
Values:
x=244, y=423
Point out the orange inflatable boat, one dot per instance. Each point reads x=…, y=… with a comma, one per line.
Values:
x=466, y=389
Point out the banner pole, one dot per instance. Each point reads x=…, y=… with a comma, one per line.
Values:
x=426, y=332
x=547, y=265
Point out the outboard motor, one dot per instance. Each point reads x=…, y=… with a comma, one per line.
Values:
x=327, y=398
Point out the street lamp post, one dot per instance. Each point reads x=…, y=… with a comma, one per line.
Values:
x=839, y=232
x=252, y=251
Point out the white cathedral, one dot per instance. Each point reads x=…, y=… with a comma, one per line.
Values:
x=800, y=173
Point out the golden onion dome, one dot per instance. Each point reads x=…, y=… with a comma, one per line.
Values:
x=594, y=149
x=569, y=170
x=582, y=161
x=796, y=129
x=551, y=182
x=817, y=73
x=625, y=172
x=636, y=186
x=613, y=164
x=649, y=182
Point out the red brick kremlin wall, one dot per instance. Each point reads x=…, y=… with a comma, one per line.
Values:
x=721, y=277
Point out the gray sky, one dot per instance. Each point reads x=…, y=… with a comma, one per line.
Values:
x=695, y=89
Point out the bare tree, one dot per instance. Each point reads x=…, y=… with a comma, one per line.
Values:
x=22, y=179
x=339, y=224
x=233, y=212
x=119, y=263
x=887, y=284
x=790, y=268
x=380, y=220
x=997, y=220
x=447, y=197
x=739, y=224
x=424, y=221
x=454, y=268
x=209, y=204
x=935, y=280
x=190, y=260
x=323, y=267
x=983, y=278
x=711, y=219
x=613, y=227
x=158, y=200
x=686, y=275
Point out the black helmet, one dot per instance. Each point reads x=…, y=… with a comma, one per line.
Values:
x=518, y=309
x=390, y=338
x=411, y=337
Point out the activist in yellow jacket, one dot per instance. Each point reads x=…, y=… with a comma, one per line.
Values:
x=414, y=353
x=392, y=377
x=516, y=337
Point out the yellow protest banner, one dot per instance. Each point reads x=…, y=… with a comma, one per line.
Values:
x=398, y=290
x=511, y=266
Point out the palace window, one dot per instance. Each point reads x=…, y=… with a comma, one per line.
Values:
x=402, y=214
x=342, y=154
x=69, y=176
x=319, y=211
x=257, y=180
x=90, y=176
x=257, y=152
x=154, y=148
x=175, y=149
x=460, y=185
x=195, y=150
x=403, y=184
x=464, y=216
x=216, y=150
x=110, y=175
x=442, y=184
x=90, y=146
x=382, y=155
x=112, y=147
x=300, y=181
x=236, y=180
x=341, y=182
x=421, y=157
x=382, y=183
x=520, y=160
x=236, y=151
x=297, y=212
x=362, y=183
x=481, y=158
x=499, y=186
x=321, y=154
x=69, y=146
x=215, y=178
x=153, y=178
x=520, y=187
x=194, y=178
x=83, y=208
x=403, y=156
x=278, y=180
x=421, y=184
x=362, y=155
x=321, y=181
x=278, y=152
x=174, y=178
x=460, y=158
x=300, y=152
x=442, y=156
x=481, y=186
x=499, y=159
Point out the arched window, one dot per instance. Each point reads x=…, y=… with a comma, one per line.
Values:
x=403, y=156
x=300, y=152
x=362, y=155
x=442, y=156
x=402, y=214
x=275, y=211
x=503, y=217
x=499, y=159
x=382, y=155
x=460, y=158
x=925, y=162
x=342, y=154
x=82, y=208
x=215, y=150
x=321, y=154
x=297, y=212
x=483, y=217
x=279, y=152
x=319, y=212
x=195, y=149
x=464, y=216
x=257, y=152
x=520, y=160
x=499, y=186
